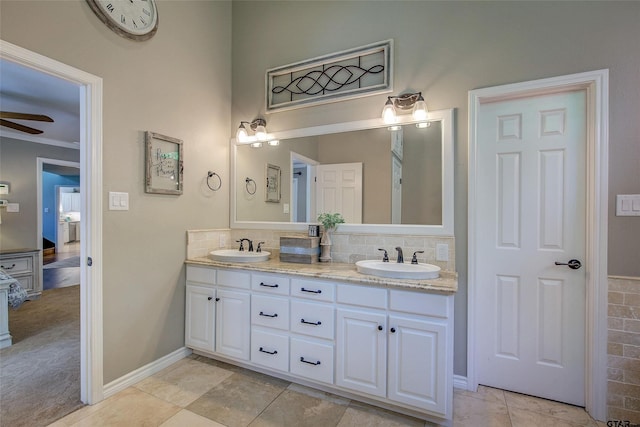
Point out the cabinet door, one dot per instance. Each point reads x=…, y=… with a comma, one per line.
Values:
x=233, y=323
x=200, y=318
x=417, y=363
x=75, y=202
x=361, y=351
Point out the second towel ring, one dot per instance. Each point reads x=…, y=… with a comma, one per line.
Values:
x=211, y=175
x=247, y=181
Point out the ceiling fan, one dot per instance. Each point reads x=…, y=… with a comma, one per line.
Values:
x=23, y=116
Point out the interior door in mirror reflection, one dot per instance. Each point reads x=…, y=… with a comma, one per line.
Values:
x=272, y=178
x=339, y=189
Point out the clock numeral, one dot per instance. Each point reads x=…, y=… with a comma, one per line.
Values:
x=143, y=21
x=123, y=19
x=134, y=23
x=110, y=7
x=146, y=12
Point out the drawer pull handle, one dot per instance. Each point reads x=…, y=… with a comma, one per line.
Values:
x=310, y=363
x=8, y=268
x=319, y=291
x=268, y=315
x=262, y=350
x=318, y=323
x=268, y=286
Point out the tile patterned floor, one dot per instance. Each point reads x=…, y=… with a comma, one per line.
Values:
x=200, y=392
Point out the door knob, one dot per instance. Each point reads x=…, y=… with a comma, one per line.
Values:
x=573, y=264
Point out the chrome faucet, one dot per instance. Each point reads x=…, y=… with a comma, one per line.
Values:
x=400, y=257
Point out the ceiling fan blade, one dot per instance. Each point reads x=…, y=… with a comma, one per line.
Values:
x=25, y=116
x=19, y=127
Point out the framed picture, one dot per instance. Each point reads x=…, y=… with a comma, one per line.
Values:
x=272, y=178
x=163, y=164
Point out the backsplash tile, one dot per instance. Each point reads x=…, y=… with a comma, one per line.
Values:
x=346, y=248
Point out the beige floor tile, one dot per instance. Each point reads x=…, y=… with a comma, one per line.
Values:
x=296, y=409
x=239, y=399
x=526, y=418
x=186, y=418
x=485, y=393
x=130, y=407
x=572, y=414
x=360, y=414
x=474, y=412
x=184, y=382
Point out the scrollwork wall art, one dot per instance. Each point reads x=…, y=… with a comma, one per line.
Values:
x=353, y=73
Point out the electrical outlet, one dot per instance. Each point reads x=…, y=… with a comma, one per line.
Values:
x=223, y=241
x=442, y=252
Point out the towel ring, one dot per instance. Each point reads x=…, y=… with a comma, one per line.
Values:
x=209, y=176
x=247, y=181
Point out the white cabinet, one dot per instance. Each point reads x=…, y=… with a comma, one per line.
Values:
x=387, y=345
x=361, y=351
x=218, y=317
x=24, y=265
x=200, y=320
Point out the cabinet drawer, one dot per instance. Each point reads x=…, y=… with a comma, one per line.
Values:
x=313, y=289
x=312, y=360
x=270, y=283
x=362, y=296
x=201, y=274
x=17, y=265
x=272, y=312
x=312, y=319
x=234, y=279
x=270, y=349
x=419, y=303
x=26, y=282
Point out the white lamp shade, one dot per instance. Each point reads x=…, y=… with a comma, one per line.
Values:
x=241, y=135
x=389, y=114
x=261, y=133
x=420, y=110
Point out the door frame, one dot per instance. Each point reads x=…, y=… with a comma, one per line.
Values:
x=596, y=86
x=91, y=336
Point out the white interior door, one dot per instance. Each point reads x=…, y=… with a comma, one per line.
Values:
x=531, y=214
x=396, y=190
x=339, y=189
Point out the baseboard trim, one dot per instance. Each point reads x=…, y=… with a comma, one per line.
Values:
x=460, y=382
x=145, y=371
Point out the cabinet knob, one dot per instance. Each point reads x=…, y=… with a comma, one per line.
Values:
x=217, y=299
x=380, y=327
x=393, y=330
x=209, y=298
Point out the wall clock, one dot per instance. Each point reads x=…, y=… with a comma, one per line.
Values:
x=133, y=19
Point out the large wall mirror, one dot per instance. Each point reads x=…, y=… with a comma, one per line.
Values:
x=382, y=181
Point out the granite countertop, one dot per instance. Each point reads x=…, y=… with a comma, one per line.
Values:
x=447, y=283
x=17, y=251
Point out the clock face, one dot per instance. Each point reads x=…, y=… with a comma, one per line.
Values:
x=134, y=19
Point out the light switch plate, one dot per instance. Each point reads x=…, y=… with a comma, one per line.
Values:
x=13, y=207
x=628, y=205
x=118, y=201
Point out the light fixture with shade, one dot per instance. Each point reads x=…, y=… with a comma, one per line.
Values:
x=258, y=126
x=407, y=101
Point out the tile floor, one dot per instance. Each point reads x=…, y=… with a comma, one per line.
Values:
x=200, y=392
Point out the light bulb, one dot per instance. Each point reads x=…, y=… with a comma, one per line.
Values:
x=261, y=133
x=241, y=135
x=420, y=109
x=389, y=113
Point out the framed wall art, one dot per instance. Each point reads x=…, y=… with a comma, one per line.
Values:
x=272, y=178
x=164, y=164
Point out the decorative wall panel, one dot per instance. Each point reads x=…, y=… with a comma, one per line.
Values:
x=353, y=73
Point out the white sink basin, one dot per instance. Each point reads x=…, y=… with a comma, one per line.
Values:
x=393, y=270
x=234, y=255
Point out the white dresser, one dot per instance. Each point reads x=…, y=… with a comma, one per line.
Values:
x=24, y=265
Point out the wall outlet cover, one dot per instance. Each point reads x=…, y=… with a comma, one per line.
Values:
x=442, y=252
x=13, y=207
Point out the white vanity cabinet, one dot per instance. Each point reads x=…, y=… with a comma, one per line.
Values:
x=217, y=314
x=380, y=344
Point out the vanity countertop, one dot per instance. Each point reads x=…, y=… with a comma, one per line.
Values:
x=447, y=283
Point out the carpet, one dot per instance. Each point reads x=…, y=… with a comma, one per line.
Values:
x=73, y=261
x=40, y=372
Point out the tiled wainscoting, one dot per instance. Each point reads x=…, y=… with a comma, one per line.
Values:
x=346, y=248
x=623, y=367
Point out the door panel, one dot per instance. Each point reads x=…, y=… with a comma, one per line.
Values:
x=339, y=189
x=531, y=213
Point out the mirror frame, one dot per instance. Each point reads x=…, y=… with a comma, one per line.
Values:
x=446, y=117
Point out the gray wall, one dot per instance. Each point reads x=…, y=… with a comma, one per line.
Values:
x=19, y=167
x=177, y=84
x=445, y=49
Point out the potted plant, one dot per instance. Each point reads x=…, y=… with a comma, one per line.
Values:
x=329, y=223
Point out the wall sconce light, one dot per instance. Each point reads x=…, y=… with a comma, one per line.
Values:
x=258, y=126
x=407, y=101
